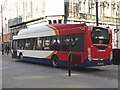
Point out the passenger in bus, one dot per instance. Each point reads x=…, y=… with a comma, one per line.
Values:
x=39, y=45
x=55, y=45
x=72, y=43
x=66, y=44
x=47, y=45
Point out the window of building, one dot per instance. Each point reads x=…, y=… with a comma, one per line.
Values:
x=49, y=21
x=59, y=21
x=54, y=21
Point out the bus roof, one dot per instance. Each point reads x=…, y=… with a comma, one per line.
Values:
x=64, y=26
x=45, y=30
x=57, y=26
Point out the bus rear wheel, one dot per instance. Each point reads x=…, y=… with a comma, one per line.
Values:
x=55, y=61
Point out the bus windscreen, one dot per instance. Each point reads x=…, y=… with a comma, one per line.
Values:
x=100, y=36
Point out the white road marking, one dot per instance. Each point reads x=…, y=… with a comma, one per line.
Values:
x=12, y=67
x=31, y=77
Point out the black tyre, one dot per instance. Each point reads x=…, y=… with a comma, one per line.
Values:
x=55, y=61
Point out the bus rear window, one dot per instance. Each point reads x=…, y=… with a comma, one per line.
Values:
x=100, y=36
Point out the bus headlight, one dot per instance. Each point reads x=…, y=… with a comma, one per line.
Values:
x=111, y=56
x=89, y=54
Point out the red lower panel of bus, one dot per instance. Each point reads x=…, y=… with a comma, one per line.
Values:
x=76, y=57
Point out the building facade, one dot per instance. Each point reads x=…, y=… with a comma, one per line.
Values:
x=19, y=14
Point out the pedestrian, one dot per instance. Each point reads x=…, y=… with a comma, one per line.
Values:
x=7, y=49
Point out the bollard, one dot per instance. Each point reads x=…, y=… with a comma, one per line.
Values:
x=69, y=65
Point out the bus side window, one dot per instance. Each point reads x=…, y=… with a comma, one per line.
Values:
x=56, y=43
x=39, y=45
x=18, y=44
x=21, y=44
x=47, y=43
x=27, y=44
x=65, y=42
x=14, y=45
x=18, y=47
x=77, y=42
x=33, y=44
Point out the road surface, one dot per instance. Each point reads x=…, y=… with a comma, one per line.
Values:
x=29, y=75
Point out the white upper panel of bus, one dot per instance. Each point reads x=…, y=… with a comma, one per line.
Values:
x=36, y=31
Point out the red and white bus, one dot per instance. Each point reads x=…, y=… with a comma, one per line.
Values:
x=51, y=44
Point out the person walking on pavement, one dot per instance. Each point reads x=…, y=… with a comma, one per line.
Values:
x=7, y=49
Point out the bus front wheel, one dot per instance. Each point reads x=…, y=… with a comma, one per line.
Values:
x=55, y=61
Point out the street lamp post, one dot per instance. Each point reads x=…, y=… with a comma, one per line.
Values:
x=117, y=29
x=97, y=13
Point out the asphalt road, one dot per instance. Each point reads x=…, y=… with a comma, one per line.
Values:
x=29, y=75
